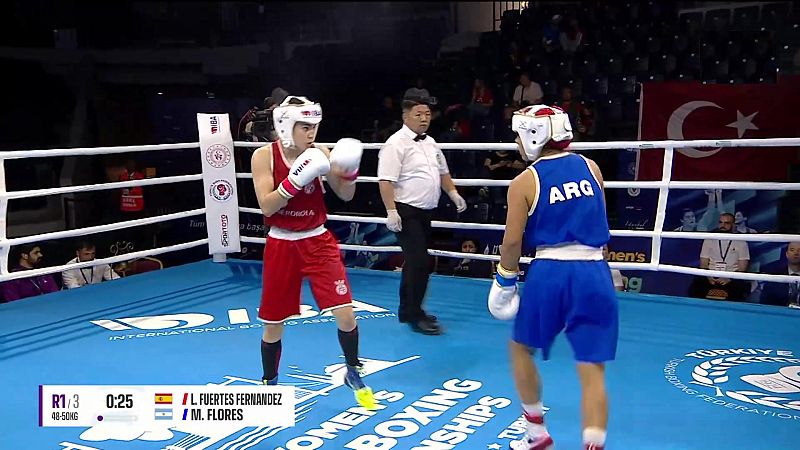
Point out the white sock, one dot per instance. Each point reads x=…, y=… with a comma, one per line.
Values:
x=593, y=435
x=535, y=411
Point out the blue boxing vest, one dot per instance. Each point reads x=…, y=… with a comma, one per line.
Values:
x=570, y=208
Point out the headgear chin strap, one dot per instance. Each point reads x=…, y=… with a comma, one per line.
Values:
x=292, y=110
x=541, y=125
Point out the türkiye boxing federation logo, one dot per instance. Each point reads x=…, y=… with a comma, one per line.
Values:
x=748, y=380
x=218, y=156
x=221, y=190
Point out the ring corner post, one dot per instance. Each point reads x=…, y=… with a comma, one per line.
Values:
x=219, y=184
x=4, y=249
x=661, y=208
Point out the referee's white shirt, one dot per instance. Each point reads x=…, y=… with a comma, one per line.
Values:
x=414, y=167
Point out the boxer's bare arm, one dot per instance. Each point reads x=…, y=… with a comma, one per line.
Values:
x=269, y=200
x=521, y=193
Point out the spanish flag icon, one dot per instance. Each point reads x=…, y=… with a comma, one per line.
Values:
x=163, y=399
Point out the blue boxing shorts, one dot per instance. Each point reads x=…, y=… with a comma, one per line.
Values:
x=576, y=296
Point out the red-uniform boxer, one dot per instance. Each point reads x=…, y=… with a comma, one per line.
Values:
x=286, y=176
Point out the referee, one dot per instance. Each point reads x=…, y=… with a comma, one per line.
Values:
x=412, y=170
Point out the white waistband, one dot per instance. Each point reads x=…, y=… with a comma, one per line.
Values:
x=289, y=235
x=570, y=252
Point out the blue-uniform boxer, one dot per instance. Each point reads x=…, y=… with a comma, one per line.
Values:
x=557, y=204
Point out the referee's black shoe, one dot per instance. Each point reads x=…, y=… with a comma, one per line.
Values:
x=426, y=326
x=429, y=317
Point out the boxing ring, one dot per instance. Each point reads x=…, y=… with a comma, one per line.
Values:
x=689, y=374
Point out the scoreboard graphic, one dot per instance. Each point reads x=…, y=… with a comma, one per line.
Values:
x=212, y=406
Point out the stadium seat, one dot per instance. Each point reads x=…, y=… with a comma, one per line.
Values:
x=691, y=23
x=775, y=14
x=141, y=265
x=718, y=19
x=745, y=19
x=612, y=109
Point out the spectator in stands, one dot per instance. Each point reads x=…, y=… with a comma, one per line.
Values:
x=132, y=198
x=579, y=115
x=460, y=128
x=741, y=223
x=724, y=255
x=620, y=281
x=467, y=267
x=75, y=278
x=386, y=122
x=482, y=100
x=30, y=256
x=515, y=58
x=551, y=34
x=394, y=262
x=526, y=93
x=571, y=38
x=418, y=90
x=131, y=204
x=503, y=165
x=689, y=219
x=785, y=294
x=480, y=108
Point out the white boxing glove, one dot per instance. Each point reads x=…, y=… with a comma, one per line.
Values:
x=393, y=221
x=311, y=164
x=346, y=158
x=503, y=299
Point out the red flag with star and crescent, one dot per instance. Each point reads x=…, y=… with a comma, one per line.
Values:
x=686, y=111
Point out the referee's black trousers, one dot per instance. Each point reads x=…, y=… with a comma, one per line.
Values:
x=415, y=239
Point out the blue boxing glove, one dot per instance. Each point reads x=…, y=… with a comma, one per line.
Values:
x=503, y=299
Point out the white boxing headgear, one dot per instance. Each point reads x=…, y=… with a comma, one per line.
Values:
x=292, y=110
x=539, y=125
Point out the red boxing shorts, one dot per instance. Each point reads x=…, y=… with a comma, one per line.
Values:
x=288, y=262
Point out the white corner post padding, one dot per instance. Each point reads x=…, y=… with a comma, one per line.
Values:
x=219, y=184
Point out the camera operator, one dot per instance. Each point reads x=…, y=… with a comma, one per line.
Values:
x=258, y=123
x=258, y=126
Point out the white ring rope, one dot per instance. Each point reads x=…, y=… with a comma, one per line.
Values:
x=694, y=235
x=657, y=235
x=726, y=185
x=650, y=267
x=103, y=228
x=99, y=186
x=578, y=146
x=83, y=151
x=111, y=260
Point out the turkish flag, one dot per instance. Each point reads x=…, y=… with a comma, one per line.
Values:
x=687, y=111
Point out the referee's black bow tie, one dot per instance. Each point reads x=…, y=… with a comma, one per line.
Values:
x=420, y=137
